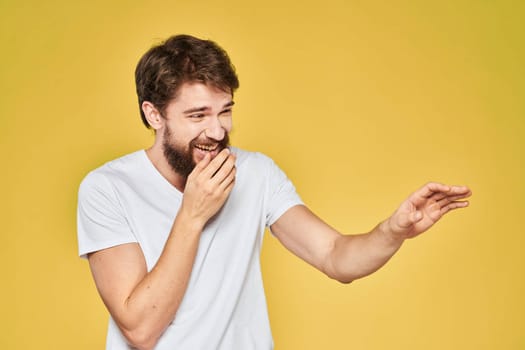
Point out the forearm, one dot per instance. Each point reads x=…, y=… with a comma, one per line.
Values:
x=153, y=303
x=144, y=303
x=356, y=256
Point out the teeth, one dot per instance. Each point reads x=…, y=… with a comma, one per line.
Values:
x=206, y=147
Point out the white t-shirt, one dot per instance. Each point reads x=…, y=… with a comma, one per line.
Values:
x=224, y=307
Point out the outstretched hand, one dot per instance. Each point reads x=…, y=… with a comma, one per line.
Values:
x=425, y=207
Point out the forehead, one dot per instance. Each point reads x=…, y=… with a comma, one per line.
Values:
x=198, y=95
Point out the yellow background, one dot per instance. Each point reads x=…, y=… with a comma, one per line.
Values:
x=360, y=102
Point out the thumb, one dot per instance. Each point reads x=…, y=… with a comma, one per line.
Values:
x=416, y=217
x=408, y=219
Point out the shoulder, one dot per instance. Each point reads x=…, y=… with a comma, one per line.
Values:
x=258, y=167
x=106, y=176
x=251, y=159
x=255, y=165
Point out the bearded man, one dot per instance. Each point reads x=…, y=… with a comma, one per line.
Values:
x=173, y=233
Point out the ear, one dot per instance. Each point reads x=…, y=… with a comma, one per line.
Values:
x=152, y=114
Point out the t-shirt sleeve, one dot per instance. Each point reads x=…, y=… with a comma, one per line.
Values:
x=281, y=194
x=101, y=222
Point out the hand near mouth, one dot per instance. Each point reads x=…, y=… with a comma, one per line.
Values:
x=208, y=186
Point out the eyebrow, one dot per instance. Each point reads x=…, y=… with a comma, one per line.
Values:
x=204, y=108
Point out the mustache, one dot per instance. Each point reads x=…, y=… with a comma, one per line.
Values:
x=225, y=142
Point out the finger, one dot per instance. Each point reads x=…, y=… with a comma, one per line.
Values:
x=227, y=185
x=454, y=205
x=455, y=191
x=229, y=188
x=460, y=190
x=216, y=163
x=424, y=193
x=202, y=164
x=438, y=196
x=224, y=170
x=230, y=177
x=449, y=199
x=408, y=219
x=430, y=188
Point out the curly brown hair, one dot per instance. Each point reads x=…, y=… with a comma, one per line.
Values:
x=181, y=59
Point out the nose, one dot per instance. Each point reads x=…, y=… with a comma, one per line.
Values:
x=215, y=130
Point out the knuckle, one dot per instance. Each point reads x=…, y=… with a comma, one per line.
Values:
x=207, y=189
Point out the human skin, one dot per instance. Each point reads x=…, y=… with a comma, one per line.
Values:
x=143, y=303
x=349, y=257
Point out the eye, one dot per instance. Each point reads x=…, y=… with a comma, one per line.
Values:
x=226, y=112
x=196, y=116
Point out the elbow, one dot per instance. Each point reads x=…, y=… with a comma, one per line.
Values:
x=140, y=339
x=338, y=276
x=342, y=279
x=332, y=269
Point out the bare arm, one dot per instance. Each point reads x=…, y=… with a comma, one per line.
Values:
x=348, y=257
x=141, y=303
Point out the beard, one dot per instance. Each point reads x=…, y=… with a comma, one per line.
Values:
x=181, y=159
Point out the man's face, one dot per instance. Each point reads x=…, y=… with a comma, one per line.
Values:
x=197, y=122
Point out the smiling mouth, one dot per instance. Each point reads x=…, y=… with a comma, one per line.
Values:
x=207, y=148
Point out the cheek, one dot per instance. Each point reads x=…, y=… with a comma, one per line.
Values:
x=183, y=137
x=194, y=132
x=227, y=124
